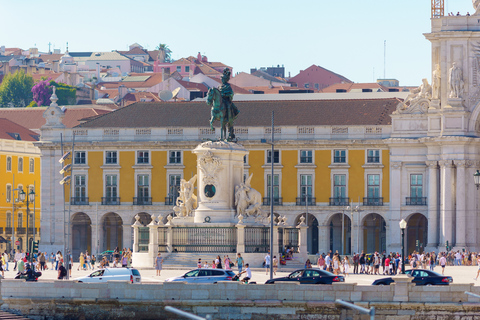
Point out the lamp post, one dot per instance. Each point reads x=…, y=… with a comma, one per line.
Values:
x=476, y=179
x=403, y=225
x=31, y=198
x=306, y=215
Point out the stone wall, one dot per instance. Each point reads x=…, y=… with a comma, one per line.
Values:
x=232, y=300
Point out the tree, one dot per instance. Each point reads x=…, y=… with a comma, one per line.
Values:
x=16, y=90
x=67, y=95
x=165, y=54
x=42, y=91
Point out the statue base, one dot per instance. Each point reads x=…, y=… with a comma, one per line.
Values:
x=455, y=103
x=434, y=104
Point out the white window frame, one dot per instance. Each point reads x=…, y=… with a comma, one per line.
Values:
x=9, y=161
x=8, y=195
x=169, y=157
x=367, y=172
x=339, y=163
x=137, y=155
x=75, y=185
x=410, y=184
x=379, y=156
x=85, y=157
x=31, y=165
x=111, y=173
x=20, y=167
x=300, y=157
x=275, y=172
x=273, y=156
x=105, y=157
x=332, y=187
x=145, y=173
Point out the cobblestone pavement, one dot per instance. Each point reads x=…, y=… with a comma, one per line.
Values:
x=460, y=274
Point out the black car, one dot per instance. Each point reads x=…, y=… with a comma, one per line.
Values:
x=421, y=277
x=310, y=276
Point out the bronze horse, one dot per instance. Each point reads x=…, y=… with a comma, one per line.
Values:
x=220, y=111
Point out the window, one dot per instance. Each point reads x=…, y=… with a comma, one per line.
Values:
x=416, y=185
x=373, y=156
x=111, y=186
x=179, y=68
x=142, y=157
x=245, y=159
x=175, y=157
x=187, y=68
x=339, y=186
x=339, y=156
x=373, y=186
x=30, y=220
x=276, y=156
x=9, y=219
x=307, y=85
x=317, y=86
x=276, y=186
x=32, y=165
x=9, y=163
x=9, y=193
x=80, y=188
x=173, y=188
x=111, y=157
x=20, y=220
x=305, y=186
x=142, y=186
x=80, y=157
x=306, y=156
x=20, y=164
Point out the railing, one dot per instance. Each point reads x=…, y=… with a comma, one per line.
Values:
x=21, y=230
x=143, y=239
x=32, y=231
x=142, y=201
x=339, y=201
x=162, y=239
x=281, y=248
x=1, y=229
x=204, y=239
x=110, y=200
x=306, y=159
x=339, y=159
x=373, y=159
x=276, y=201
x=290, y=238
x=170, y=201
x=257, y=239
x=8, y=230
x=312, y=201
x=416, y=201
x=373, y=201
x=79, y=201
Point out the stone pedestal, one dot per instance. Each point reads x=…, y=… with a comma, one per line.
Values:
x=219, y=170
x=455, y=103
x=402, y=285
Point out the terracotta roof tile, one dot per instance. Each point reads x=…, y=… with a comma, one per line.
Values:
x=12, y=131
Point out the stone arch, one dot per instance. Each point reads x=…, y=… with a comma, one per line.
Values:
x=312, y=231
x=112, y=231
x=334, y=224
x=374, y=233
x=474, y=121
x=416, y=234
x=81, y=226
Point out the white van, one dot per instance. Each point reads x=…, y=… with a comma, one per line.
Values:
x=107, y=274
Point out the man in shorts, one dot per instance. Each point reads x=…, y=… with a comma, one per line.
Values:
x=239, y=262
x=267, y=263
x=443, y=262
x=376, y=263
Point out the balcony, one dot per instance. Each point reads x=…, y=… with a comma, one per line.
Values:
x=8, y=230
x=373, y=159
x=21, y=230
x=301, y=201
x=278, y=201
x=110, y=201
x=373, y=201
x=416, y=201
x=170, y=201
x=32, y=231
x=79, y=201
x=142, y=201
x=339, y=201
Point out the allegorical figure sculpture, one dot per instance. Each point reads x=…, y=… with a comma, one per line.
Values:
x=436, y=81
x=424, y=91
x=476, y=6
x=248, y=200
x=223, y=109
x=186, y=201
x=455, y=81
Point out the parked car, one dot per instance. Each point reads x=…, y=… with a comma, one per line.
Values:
x=107, y=274
x=310, y=276
x=421, y=277
x=205, y=276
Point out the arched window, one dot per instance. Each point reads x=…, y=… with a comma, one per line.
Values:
x=9, y=163
x=32, y=165
x=20, y=220
x=9, y=219
x=20, y=164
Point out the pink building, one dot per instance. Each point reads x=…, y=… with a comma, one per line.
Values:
x=316, y=78
x=188, y=67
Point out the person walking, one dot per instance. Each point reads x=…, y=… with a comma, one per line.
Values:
x=478, y=264
x=227, y=262
x=443, y=262
x=218, y=262
x=321, y=262
x=275, y=265
x=346, y=265
x=88, y=259
x=42, y=261
x=93, y=261
x=5, y=260
x=199, y=263
x=239, y=262
x=159, y=263
x=356, y=260
x=267, y=262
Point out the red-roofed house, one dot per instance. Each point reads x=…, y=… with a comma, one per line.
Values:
x=316, y=78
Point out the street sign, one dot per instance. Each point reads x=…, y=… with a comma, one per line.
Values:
x=17, y=243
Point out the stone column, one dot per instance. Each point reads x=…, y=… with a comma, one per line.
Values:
x=302, y=239
x=240, y=238
x=446, y=202
x=461, y=216
x=395, y=202
x=153, y=238
x=135, y=238
x=127, y=236
x=432, y=204
x=275, y=242
x=323, y=239
x=169, y=237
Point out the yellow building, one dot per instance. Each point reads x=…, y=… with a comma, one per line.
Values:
x=328, y=155
x=20, y=172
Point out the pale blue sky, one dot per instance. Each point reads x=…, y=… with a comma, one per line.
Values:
x=346, y=37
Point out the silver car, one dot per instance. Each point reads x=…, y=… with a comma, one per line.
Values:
x=205, y=276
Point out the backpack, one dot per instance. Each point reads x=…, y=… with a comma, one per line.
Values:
x=414, y=264
x=63, y=272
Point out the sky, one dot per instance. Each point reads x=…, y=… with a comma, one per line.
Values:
x=363, y=40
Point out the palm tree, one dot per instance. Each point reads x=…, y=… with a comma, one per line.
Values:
x=165, y=54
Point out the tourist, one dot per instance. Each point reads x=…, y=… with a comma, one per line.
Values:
x=227, y=262
x=336, y=264
x=42, y=261
x=248, y=275
x=17, y=257
x=199, y=263
x=478, y=263
x=321, y=262
x=205, y=265
x=93, y=261
x=356, y=261
x=431, y=262
x=214, y=265
x=57, y=259
x=62, y=272
x=218, y=262
x=328, y=263
x=376, y=264
x=239, y=262
x=88, y=259
x=124, y=259
x=362, y=263
x=443, y=262
x=266, y=260
x=159, y=263
x=346, y=265
x=81, y=261
x=275, y=265
x=5, y=260
x=20, y=266
x=308, y=264
x=52, y=260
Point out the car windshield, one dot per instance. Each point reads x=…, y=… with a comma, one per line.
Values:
x=192, y=273
x=296, y=274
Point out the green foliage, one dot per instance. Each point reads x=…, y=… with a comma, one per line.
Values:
x=16, y=90
x=67, y=95
x=165, y=53
x=32, y=104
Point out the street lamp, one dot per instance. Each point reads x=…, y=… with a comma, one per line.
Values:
x=476, y=178
x=403, y=225
x=31, y=198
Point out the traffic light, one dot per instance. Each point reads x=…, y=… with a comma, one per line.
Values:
x=35, y=247
x=446, y=245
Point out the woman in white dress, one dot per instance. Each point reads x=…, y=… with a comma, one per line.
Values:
x=346, y=265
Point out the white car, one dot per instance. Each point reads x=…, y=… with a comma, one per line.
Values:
x=107, y=274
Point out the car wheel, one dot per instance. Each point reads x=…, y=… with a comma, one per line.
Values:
x=429, y=284
x=382, y=284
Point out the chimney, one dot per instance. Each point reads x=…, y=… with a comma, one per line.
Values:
x=165, y=73
x=98, y=72
x=2, y=50
x=122, y=92
x=199, y=57
x=55, y=66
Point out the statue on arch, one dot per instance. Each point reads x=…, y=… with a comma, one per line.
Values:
x=248, y=200
x=455, y=81
x=424, y=91
x=436, y=82
x=187, y=200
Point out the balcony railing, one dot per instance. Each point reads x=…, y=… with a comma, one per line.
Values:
x=416, y=201
x=373, y=159
x=276, y=201
x=142, y=201
x=79, y=201
x=8, y=230
x=32, y=231
x=339, y=159
x=301, y=201
x=170, y=201
x=21, y=230
x=109, y=201
x=373, y=201
x=339, y=201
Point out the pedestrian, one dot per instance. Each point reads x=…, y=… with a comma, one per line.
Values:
x=346, y=265
x=82, y=261
x=443, y=262
x=214, y=265
x=159, y=263
x=275, y=264
x=308, y=264
x=362, y=263
x=267, y=262
x=239, y=262
x=52, y=260
x=124, y=259
x=5, y=260
x=478, y=264
x=88, y=259
x=57, y=259
x=205, y=265
x=20, y=266
x=93, y=261
x=218, y=262
x=328, y=263
x=336, y=265
x=321, y=262
x=199, y=263
x=17, y=257
x=62, y=272
x=42, y=261
x=227, y=262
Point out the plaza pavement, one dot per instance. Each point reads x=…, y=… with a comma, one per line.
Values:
x=460, y=274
